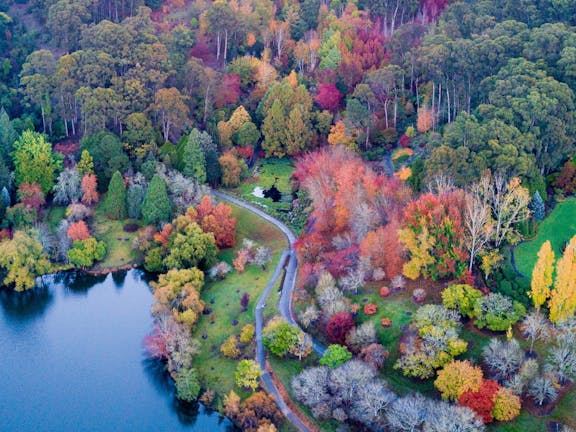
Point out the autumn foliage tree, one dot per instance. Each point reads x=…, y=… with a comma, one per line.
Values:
x=434, y=235
x=338, y=326
x=542, y=275
x=481, y=401
x=218, y=220
x=328, y=97
x=89, y=189
x=348, y=201
x=506, y=405
x=30, y=194
x=78, y=231
x=563, y=297
x=458, y=377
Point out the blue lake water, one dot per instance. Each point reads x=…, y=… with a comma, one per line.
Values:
x=71, y=359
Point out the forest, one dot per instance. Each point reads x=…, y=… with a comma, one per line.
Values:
x=422, y=150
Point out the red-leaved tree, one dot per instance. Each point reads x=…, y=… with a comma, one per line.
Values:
x=328, y=97
x=481, y=401
x=338, y=326
x=30, y=194
x=78, y=231
x=218, y=220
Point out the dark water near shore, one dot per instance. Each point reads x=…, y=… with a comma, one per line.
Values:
x=71, y=359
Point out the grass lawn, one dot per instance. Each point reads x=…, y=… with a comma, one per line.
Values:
x=558, y=227
x=223, y=298
x=118, y=242
x=54, y=216
x=269, y=171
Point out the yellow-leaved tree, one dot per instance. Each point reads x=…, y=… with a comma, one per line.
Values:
x=542, y=275
x=563, y=297
x=458, y=377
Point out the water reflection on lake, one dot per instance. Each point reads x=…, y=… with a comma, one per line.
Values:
x=72, y=360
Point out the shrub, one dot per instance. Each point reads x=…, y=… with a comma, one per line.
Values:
x=370, y=309
x=230, y=347
x=506, y=405
x=462, y=298
x=247, y=334
x=497, y=312
x=130, y=228
x=220, y=270
x=335, y=355
x=419, y=295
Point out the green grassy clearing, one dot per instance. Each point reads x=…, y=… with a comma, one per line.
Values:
x=119, y=249
x=269, y=171
x=54, y=216
x=223, y=298
x=558, y=227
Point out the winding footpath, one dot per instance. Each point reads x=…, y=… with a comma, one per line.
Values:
x=288, y=262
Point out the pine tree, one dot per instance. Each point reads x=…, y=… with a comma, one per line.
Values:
x=194, y=161
x=537, y=206
x=563, y=297
x=8, y=136
x=157, y=206
x=114, y=204
x=542, y=275
x=273, y=129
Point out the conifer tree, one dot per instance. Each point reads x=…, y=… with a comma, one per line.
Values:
x=114, y=204
x=157, y=206
x=537, y=206
x=86, y=163
x=542, y=275
x=194, y=160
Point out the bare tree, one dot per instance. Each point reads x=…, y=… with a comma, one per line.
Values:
x=478, y=222
x=542, y=389
x=508, y=201
x=440, y=184
x=535, y=327
x=407, y=414
x=364, y=334
x=503, y=358
x=561, y=362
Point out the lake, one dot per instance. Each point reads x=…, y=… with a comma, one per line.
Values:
x=71, y=359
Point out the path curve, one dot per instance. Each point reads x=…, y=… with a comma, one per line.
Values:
x=289, y=262
x=285, y=303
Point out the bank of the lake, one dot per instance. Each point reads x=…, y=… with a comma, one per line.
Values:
x=72, y=359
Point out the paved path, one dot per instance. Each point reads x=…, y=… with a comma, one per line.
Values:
x=285, y=303
x=288, y=262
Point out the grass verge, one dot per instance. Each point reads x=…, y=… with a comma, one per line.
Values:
x=223, y=298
